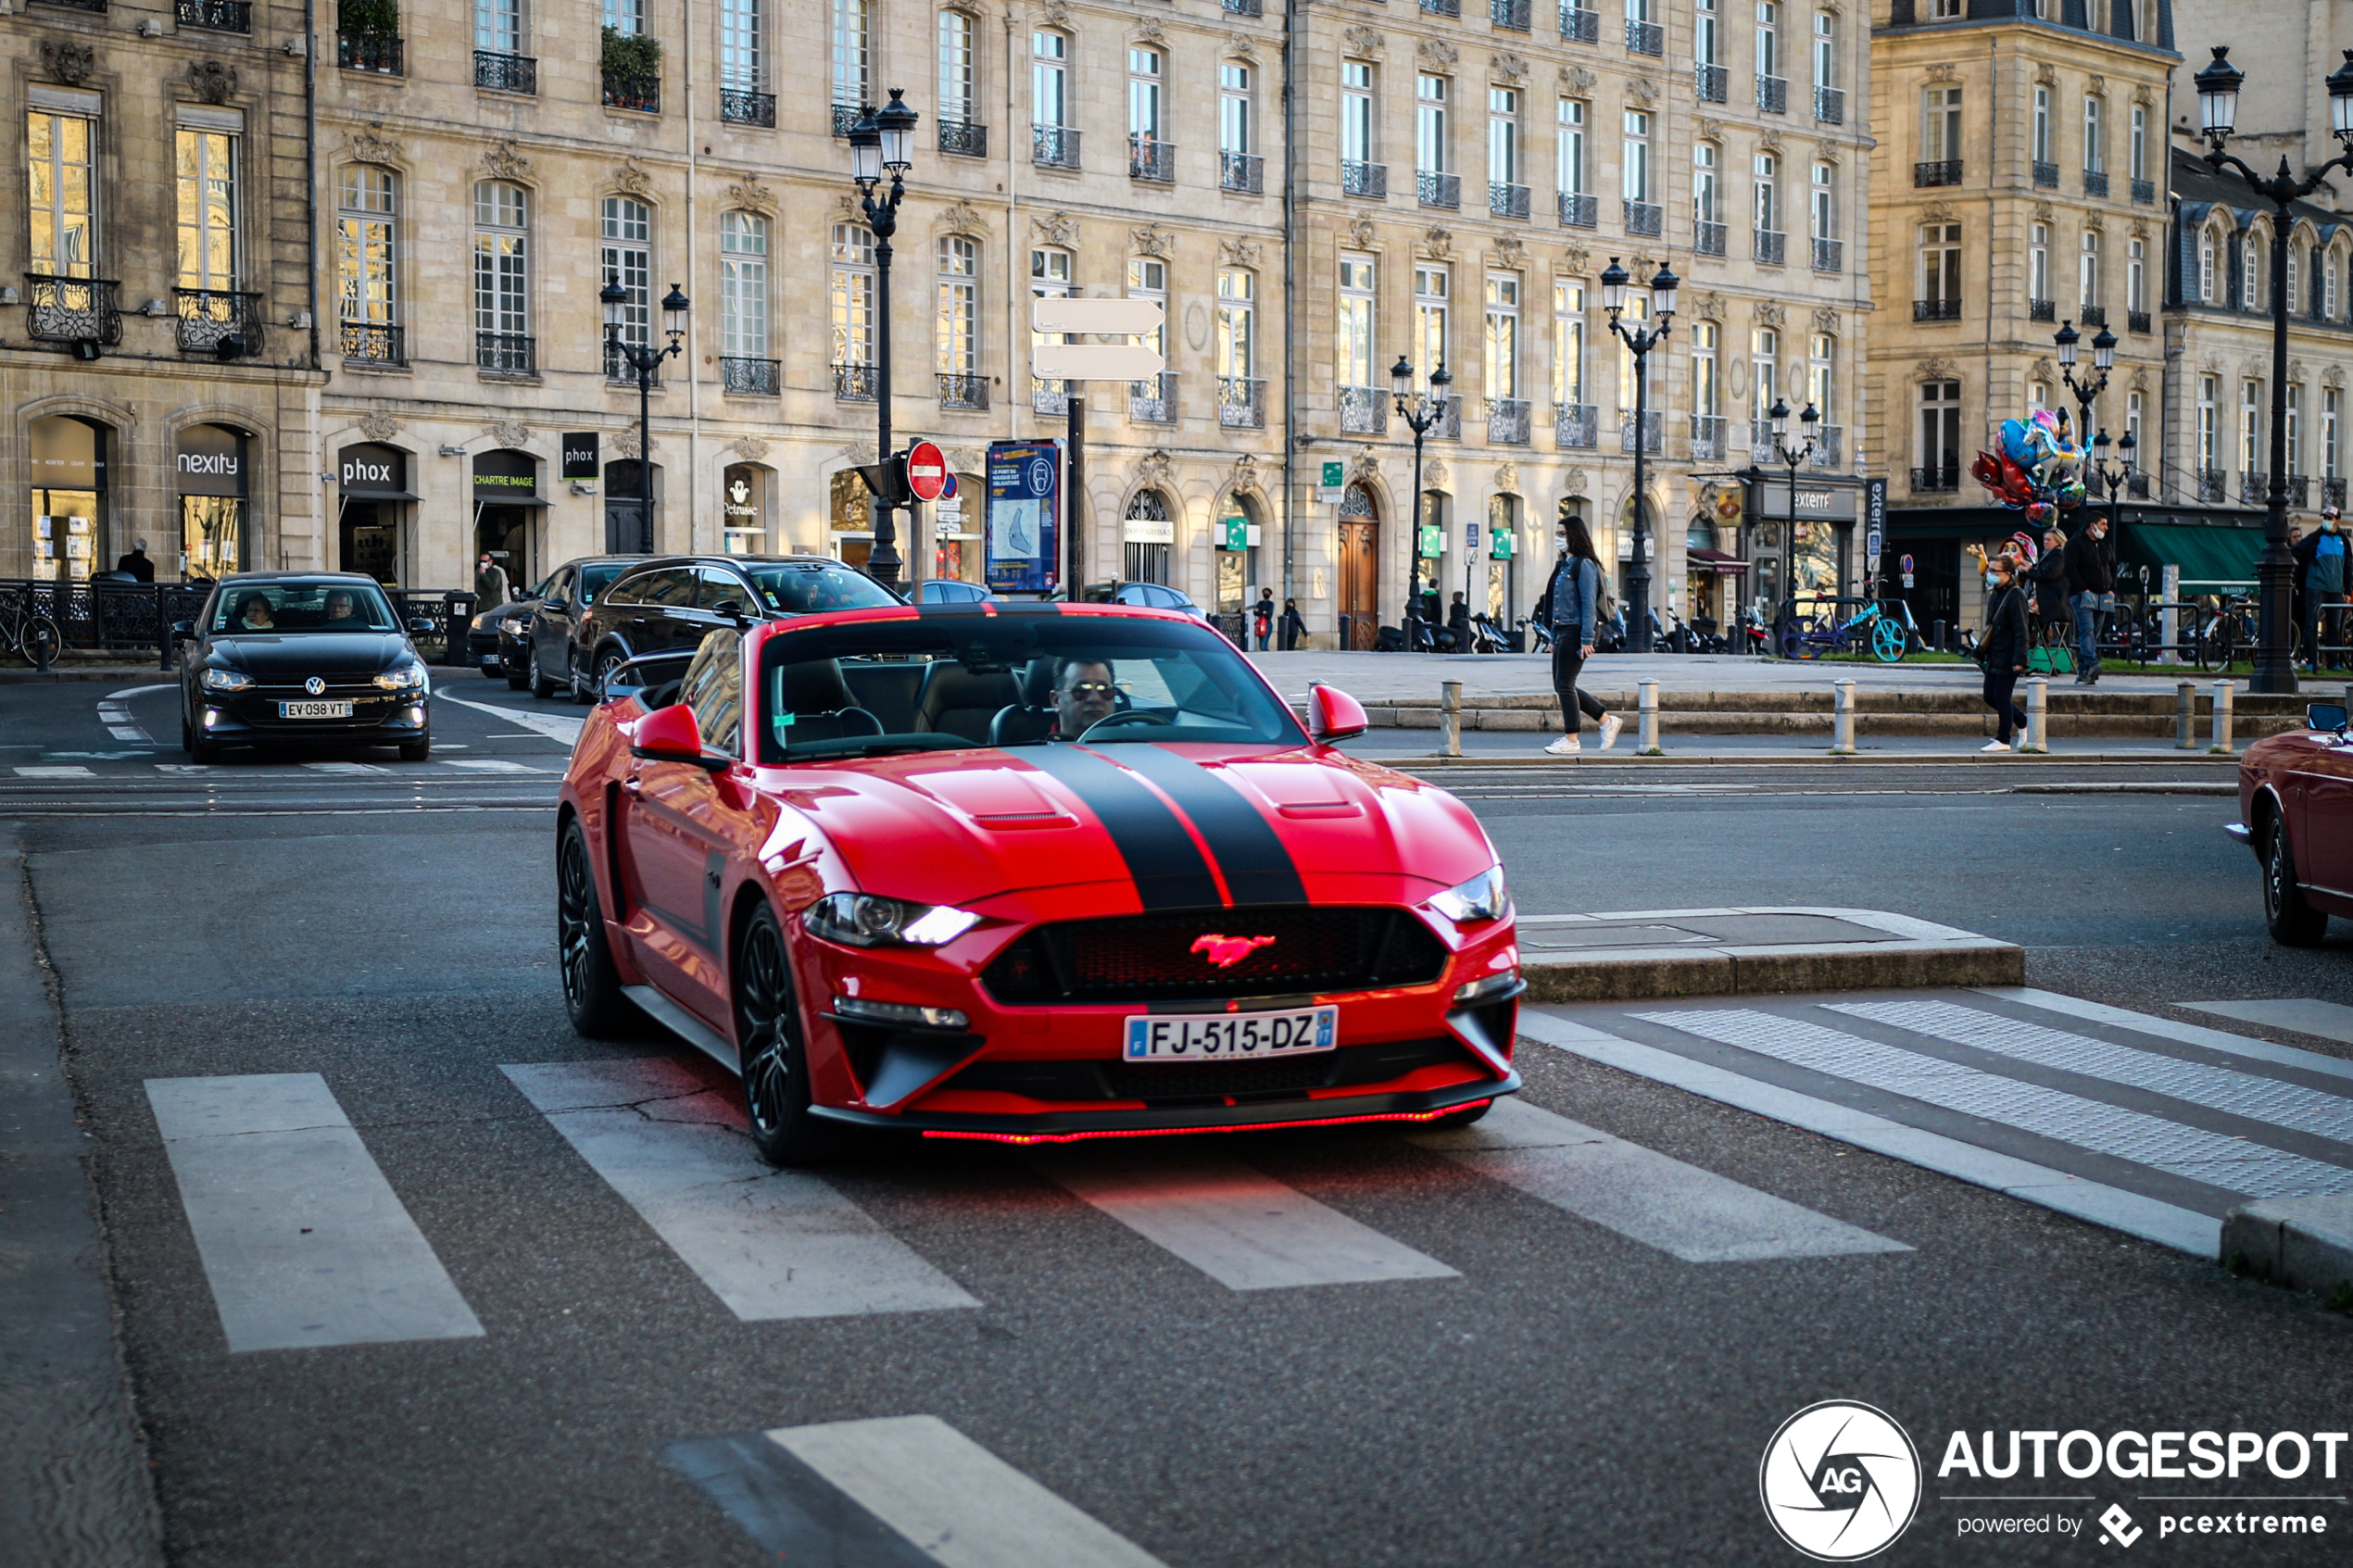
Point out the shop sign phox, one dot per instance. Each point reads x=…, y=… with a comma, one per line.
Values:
x=1023, y=524
x=581, y=454
x=372, y=469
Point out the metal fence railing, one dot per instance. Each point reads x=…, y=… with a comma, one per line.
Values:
x=137, y=617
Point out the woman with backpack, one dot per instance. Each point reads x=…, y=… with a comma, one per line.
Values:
x=2004, y=653
x=1570, y=605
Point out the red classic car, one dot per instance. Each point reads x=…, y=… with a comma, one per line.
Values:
x=1026, y=872
x=2295, y=812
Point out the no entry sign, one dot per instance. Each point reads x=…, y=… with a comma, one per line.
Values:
x=927, y=476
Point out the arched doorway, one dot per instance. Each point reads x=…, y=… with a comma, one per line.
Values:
x=1149, y=530
x=69, y=528
x=210, y=469
x=629, y=521
x=507, y=506
x=1359, y=563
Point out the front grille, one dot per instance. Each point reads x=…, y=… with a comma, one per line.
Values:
x=1161, y=1083
x=1149, y=958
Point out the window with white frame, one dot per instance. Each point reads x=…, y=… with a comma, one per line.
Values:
x=1941, y=125
x=2041, y=125
x=1824, y=205
x=1429, y=123
x=1237, y=116
x=1945, y=10
x=852, y=55
x=1635, y=156
x=958, y=68
x=1821, y=378
x=1941, y=265
x=743, y=285
x=2294, y=410
x=743, y=45
x=367, y=249
x=2038, y=261
x=1503, y=136
x=1145, y=69
x=1358, y=119
x=1570, y=149
x=2328, y=288
x=1768, y=38
x=1236, y=324
x=1569, y=342
x=1050, y=276
x=2210, y=394
x=1502, y=340
x=1147, y=278
x=2205, y=267
x=2095, y=137
x=853, y=295
x=1706, y=42
x=1825, y=49
x=1939, y=430
x=956, y=329
x=2136, y=269
x=499, y=26
x=502, y=257
x=2133, y=425
x=211, y=251
x=2250, y=274
x=1764, y=372
x=1768, y=207
x=626, y=17
x=2087, y=270
x=1358, y=318
x=60, y=214
x=1432, y=290
x=2332, y=433
x=1705, y=157
x=1049, y=80
x=2250, y=426
x=628, y=259
x=2038, y=395
x=2137, y=152
x=1706, y=394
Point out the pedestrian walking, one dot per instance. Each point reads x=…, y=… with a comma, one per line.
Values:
x=490, y=584
x=2091, y=577
x=1570, y=604
x=2054, y=606
x=136, y=563
x=2005, y=647
x=2322, y=566
x=1262, y=619
x=1294, y=626
x=1458, y=623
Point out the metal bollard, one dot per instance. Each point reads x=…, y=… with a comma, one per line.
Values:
x=1646, y=717
x=1450, y=717
x=2221, y=747
x=1936, y=636
x=2185, y=715
x=1842, y=718
x=2038, y=716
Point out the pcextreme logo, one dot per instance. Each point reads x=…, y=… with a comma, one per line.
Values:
x=1840, y=1481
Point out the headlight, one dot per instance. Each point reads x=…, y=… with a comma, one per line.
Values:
x=865, y=920
x=1492, y=985
x=1482, y=897
x=898, y=1012
x=408, y=678
x=226, y=680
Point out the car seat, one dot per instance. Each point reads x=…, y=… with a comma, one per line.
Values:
x=814, y=705
x=1031, y=717
x=958, y=701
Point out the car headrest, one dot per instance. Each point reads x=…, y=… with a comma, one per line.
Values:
x=949, y=685
x=1037, y=683
x=815, y=685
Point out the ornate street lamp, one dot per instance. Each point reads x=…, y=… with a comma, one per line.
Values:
x=2103, y=361
x=882, y=143
x=1420, y=410
x=1792, y=457
x=645, y=359
x=1639, y=343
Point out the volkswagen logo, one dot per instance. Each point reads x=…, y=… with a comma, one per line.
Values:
x=314, y=685
x=1840, y=1481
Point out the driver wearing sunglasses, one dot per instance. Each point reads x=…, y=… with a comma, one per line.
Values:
x=1083, y=696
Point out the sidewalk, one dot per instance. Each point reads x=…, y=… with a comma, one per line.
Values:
x=1746, y=951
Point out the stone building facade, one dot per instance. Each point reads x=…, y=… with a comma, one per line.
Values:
x=158, y=359
x=2287, y=48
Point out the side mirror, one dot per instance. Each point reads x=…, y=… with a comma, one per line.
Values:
x=732, y=609
x=670, y=734
x=423, y=626
x=2324, y=716
x=555, y=607
x=183, y=629
x=1333, y=715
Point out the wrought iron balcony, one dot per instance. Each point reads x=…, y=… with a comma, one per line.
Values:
x=1580, y=25
x=1364, y=410
x=1829, y=105
x=845, y=117
x=1771, y=245
x=2333, y=493
x=962, y=390
x=1245, y=173
x=2042, y=311
x=1944, y=172
x=1575, y=426
x=2093, y=316
x=1506, y=201
x=963, y=138
x=1936, y=311
x=1153, y=401
x=1442, y=7
x=1242, y=403
x=2095, y=184
x=1507, y=421
x=1714, y=84
x=1935, y=478
x=1654, y=430
x=2298, y=486
x=1448, y=426
x=1580, y=209
x=71, y=309
x=1368, y=179
x=97, y=6
x=1245, y=8
x=625, y=90
x=618, y=371
x=750, y=377
x=1772, y=94
x=1512, y=14
x=1644, y=218
x=1051, y=398
x=854, y=383
x=1829, y=447
x=2255, y=489
x=1148, y=159
x=2047, y=174
x=375, y=54
x=2212, y=483
x=1707, y=437
x=1830, y=256
x=506, y=73
x=742, y=106
x=1437, y=190
x=1646, y=38
x=221, y=322
x=372, y=343
x=2144, y=193
x=1053, y=146
x=1708, y=239
x=1760, y=441
x=506, y=354
x=214, y=15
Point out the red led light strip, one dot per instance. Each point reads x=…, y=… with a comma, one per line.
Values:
x=1188, y=1132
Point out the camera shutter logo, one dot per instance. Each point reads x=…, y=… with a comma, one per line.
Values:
x=1840, y=1481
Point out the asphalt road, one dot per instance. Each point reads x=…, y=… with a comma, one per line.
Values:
x=1558, y=1393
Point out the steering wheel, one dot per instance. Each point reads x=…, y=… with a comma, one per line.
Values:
x=1128, y=716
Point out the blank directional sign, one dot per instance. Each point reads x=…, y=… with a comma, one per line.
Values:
x=1094, y=362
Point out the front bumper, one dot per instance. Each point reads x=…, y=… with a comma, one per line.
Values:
x=254, y=718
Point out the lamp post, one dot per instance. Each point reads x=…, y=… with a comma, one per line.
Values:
x=1420, y=410
x=2111, y=476
x=2103, y=361
x=2218, y=100
x=645, y=359
x=1791, y=456
x=881, y=142
x=1639, y=343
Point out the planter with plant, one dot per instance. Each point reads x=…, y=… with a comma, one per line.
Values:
x=633, y=71
x=368, y=36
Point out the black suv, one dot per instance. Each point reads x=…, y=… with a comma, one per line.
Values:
x=673, y=602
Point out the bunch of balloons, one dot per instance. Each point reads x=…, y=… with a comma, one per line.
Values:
x=2039, y=468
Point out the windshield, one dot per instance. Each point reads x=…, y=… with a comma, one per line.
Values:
x=804, y=588
x=594, y=578
x=301, y=607
x=1009, y=680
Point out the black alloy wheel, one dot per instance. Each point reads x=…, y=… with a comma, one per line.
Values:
x=775, y=1063
x=592, y=985
x=607, y=662
x=416, y=750
x=2292, y=921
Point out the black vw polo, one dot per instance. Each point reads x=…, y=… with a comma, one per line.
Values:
x=289, y=657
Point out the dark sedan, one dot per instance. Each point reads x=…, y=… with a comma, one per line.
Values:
x=286, y=657
x=548, y=641
x=676, y=601
x=498, y=639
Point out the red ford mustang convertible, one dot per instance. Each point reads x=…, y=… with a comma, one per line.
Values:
x=1031, y=873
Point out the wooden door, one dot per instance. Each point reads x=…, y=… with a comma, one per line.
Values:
x=1359, y=580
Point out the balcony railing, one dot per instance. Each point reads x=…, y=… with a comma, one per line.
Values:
x=377, y=53
x=506, y=73
x=1506, y=201
x=1933, y=479
x=1507, y=421
x=2333, y=493
x=2298, y=486
x=1053, y=146
x=71, y=309
x=1772, y=246
x=2093, y=316
x=370, y=343
x=1580, y=209
x=1714, y=83
x=854, y=383
x=1442, y=7
x=2047, y=174
x=1708, y=239
x=1437, y=190
x=2144, y=193
x=962, y=390
x=2254, y=489
x=1512, y=14
x=1148, y=159
x=1245, y=173
x=2095, y=184
x=1936, y=311
x=618, y=371
x=2042, y=311
x=742, y=106
x=222, y=323
x=97, y=6
x=1244, y=8
x=1943, y=172
x=506, y=354
x=750, y=378
x=1646, y=38
x=1364, y=410
x=214, y=15
x=1153, y=402
x=627, y=90
x=1707, y=437
x=1368, y=179
x=1830, y=256
x=1575, y=426
x=1829, y=447
x=1051, y=398
x=1242, y=403
x=1760, y=441
x=844, y=117
x=1829, y=105
x=963, y=138
x=2212, y=483
x=1643, y=219
x=1772, y=94
x=1448, y=426
x=1654, y=430
x=1580, y=25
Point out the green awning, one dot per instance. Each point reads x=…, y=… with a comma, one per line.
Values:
x=2207, y=557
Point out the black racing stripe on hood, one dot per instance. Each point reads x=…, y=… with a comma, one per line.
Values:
x=1161, y=856
x=1257, y=865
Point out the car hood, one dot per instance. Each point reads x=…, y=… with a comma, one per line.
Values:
x=517, y=609
x=266, y=655
x=1166, y=826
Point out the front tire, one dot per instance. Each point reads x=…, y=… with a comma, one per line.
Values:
x=416, y=750
x=2292, y=921
x=591, y=982
x=776, y=1060
x=541, y=687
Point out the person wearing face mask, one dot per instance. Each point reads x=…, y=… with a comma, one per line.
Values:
x=2091, y=577
x=2006, y=645
x=1570, y=603
x=2322, y=569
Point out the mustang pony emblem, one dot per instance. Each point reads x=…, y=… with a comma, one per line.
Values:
x=1227, y=951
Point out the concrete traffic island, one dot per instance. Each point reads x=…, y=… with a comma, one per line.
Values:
x=1731, y=952
x=2302, y=1243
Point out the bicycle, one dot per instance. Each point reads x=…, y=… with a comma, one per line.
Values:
x=1806, y=636
x=30, y=635
x=2225, y=631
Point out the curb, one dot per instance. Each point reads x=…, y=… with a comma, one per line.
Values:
x=1915, y=954
x=2303, y=1243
